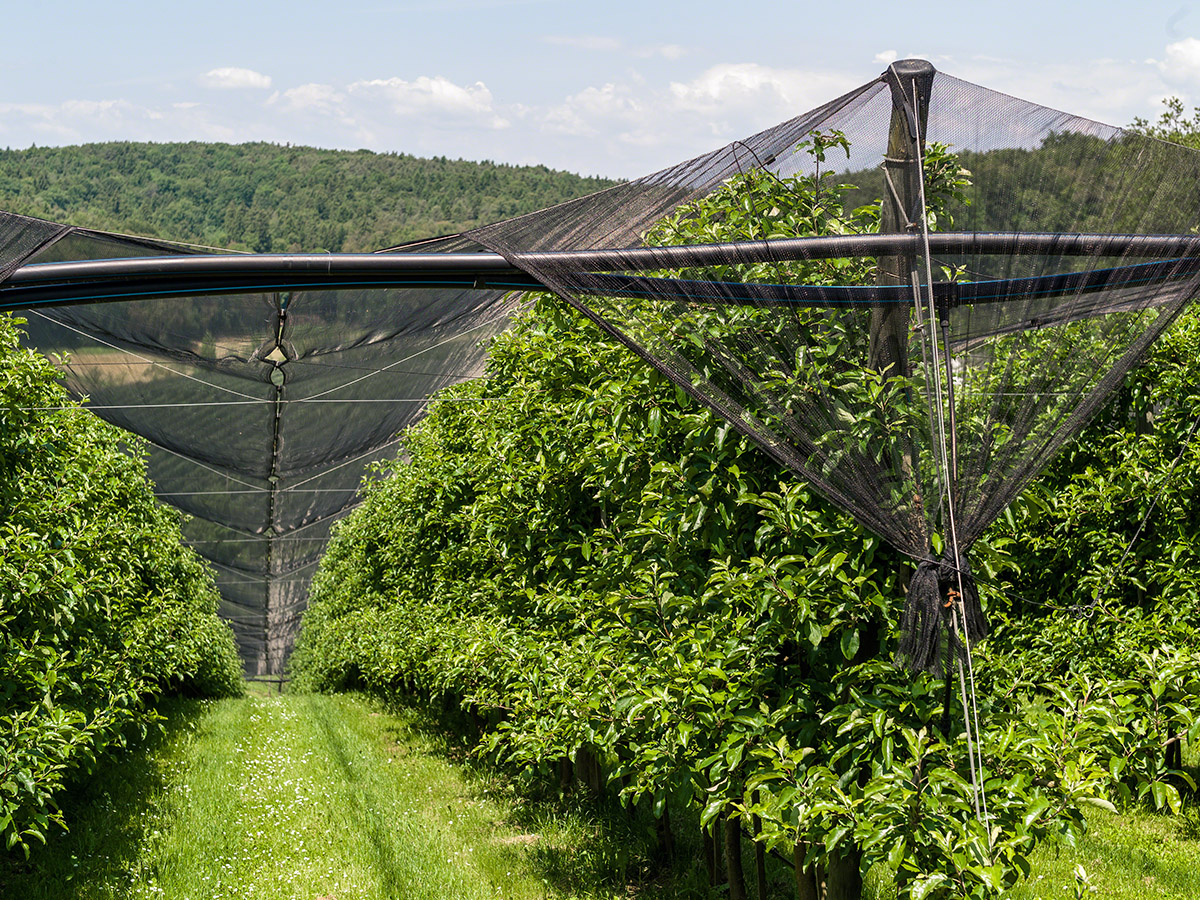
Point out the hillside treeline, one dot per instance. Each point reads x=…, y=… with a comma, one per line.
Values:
x=270, y=198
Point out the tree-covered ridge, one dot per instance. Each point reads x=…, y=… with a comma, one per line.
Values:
x=272, y=198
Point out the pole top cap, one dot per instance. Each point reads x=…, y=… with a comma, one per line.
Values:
x=912, y=68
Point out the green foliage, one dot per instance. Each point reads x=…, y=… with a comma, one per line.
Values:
x=585, y=559
x=592, y=561
x=272, y=198
x=1097, y=622
x=1109, y=533
x=101, y=607
x=1172, y=124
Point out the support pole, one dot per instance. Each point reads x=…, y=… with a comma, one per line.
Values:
x=901, y=206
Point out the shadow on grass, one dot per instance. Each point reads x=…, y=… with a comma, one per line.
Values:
x=110, y=814
x=579, y=844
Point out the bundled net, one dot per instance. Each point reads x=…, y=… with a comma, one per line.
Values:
x=911, y=297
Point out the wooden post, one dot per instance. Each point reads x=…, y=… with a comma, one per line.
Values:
x=911, y=81
x=901, y=209
x=890, y=325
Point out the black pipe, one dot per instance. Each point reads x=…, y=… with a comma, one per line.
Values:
x=834, y=296
x=110, y=280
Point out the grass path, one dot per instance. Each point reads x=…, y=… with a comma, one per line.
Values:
x=308, y=797
x=290, y=797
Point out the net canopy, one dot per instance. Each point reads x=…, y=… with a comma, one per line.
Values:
x=919, y=381
x=911, y=297
x=261, y=410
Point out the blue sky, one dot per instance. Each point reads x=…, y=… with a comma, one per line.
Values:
x=618, y=88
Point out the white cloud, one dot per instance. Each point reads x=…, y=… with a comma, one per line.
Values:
x=76, y=121
x=639, y=127
x=321, y=98
x=232, y=77
x=740, y=91
x=1182, y=62
x=436, y=96
x=669, y=52
x=589, y=112
x=886, y=56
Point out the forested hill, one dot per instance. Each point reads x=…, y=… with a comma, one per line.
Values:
x=272, y=198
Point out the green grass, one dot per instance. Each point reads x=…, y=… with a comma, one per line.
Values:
x=1132, y=855
x=286, y=796
x=308, y=797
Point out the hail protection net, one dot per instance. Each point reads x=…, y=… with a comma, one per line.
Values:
x=911, y=296
x=262, y=411
x=896, y=379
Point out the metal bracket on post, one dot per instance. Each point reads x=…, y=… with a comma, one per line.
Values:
x=943, y=302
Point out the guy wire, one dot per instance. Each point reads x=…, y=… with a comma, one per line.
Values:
x=970, y=711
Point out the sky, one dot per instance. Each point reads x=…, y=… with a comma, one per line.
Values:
x=619, y=88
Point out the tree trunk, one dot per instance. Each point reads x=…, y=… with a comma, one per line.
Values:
x=665, y=849
x=718, y=847
x=760, y=861
x=843, y=881
x=733, y=858
x=806, y=879
x=1174, y=756
x=710, y=856
x=587, y=771
x=566, y=774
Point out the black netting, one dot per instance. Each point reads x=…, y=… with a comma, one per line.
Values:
x=21, y=238
x=262, y=411
x=847, y=387
x=905, y=296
